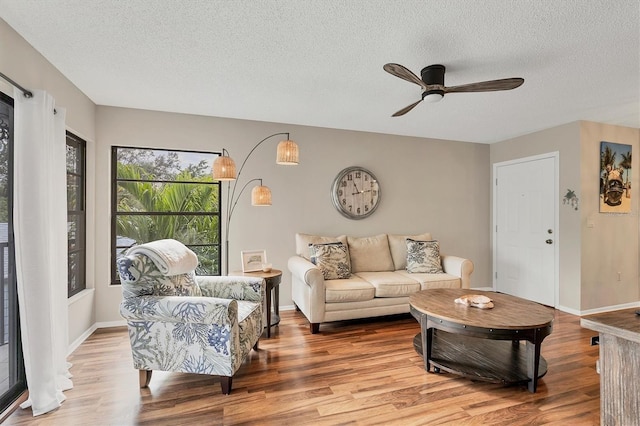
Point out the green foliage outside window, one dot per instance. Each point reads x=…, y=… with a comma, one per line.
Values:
x=168, y=194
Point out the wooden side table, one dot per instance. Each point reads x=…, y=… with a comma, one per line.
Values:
x=272, y=278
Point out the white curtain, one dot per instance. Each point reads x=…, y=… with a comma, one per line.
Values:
x=40, y=230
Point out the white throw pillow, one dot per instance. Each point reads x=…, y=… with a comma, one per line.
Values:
x=332, y=259
x=423, y=256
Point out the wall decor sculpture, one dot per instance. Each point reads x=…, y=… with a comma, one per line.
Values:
x=615, y=178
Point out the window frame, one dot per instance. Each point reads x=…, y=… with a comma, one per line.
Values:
x=16, y=370
x=115, y=279
x=81, y=213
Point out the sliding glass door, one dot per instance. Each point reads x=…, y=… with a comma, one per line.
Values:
x=12, y=377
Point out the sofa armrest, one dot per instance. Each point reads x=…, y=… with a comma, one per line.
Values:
x=459, y=267
x=232, y=287
x=308, y=290
x=306, y=271
x=180, y=309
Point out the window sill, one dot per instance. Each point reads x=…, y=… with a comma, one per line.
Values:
x=84, y=293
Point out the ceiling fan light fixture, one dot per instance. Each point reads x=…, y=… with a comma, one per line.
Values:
x=433, y=97
x=433, y=88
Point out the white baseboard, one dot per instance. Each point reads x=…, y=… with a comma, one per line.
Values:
x=76, y=343
x=568, y=310
x=609, y=308
x=120, y=323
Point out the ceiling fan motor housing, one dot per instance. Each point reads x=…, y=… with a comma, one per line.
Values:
x=433, y=74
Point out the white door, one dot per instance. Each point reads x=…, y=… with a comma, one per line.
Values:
x=525, y=212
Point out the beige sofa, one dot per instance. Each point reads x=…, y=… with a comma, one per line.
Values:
x=379, y=283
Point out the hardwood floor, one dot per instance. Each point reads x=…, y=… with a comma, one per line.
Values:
x=353, y=372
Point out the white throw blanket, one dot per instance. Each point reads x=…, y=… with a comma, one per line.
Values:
x=171, y=257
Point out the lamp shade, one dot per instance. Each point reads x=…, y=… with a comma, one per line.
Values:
x=224, y=168
x=260, y=196
x=287, y=153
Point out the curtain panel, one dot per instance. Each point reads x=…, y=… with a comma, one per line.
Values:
x=40, y=228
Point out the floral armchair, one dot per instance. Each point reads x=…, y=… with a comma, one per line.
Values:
x=188, y=323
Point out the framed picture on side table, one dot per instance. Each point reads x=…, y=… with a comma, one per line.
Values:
x=252, y=260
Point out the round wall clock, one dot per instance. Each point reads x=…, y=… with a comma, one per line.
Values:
x=355, y=192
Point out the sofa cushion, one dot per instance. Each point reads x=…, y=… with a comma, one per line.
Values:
x=398, y=247
x=303, y=241
x=353, y=289
x=428, y=281
x=391, y=284
x=332, y=259
x=370, y=254
x=423, y=256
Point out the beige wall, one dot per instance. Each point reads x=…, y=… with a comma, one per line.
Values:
x=20, y=62
x=609, y=241
x=565, y=140
x=426, y=185
x=594, y=247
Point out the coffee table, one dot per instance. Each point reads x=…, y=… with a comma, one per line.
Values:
x=482, y=344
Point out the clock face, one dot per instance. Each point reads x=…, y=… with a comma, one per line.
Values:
x=355, y=193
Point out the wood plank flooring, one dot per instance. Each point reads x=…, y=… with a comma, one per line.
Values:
x=363, y=372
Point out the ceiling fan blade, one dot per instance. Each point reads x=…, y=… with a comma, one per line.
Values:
x=406, y=109
x=402, y=72
x=487, y=86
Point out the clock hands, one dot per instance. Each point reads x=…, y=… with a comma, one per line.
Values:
x=361, y=192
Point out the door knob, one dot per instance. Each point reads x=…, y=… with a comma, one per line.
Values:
x=549, y=241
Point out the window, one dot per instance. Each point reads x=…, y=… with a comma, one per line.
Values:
x=76, y=214
x=12, y=375
x=157, y=194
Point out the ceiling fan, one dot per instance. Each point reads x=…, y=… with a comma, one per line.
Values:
x=433, y=88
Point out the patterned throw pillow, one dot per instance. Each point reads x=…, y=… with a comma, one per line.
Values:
x=332, y=259
x=423, y=256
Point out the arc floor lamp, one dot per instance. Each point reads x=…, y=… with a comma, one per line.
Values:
x=224, y=169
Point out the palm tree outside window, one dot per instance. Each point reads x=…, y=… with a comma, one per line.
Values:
x=160, y=193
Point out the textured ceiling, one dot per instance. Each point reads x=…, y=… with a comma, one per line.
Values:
x=319, y=62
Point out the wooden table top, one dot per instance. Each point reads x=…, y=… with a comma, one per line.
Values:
x=271, y=274
x=509, y=312
x=623, y=323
